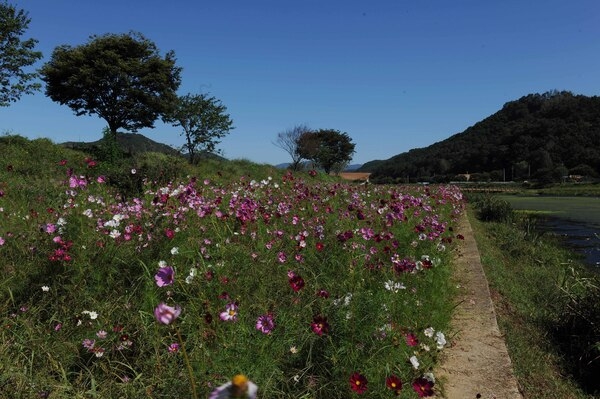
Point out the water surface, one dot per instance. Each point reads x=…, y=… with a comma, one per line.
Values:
x=577, y=219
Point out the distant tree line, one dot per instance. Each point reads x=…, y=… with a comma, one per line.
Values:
x=542, y=137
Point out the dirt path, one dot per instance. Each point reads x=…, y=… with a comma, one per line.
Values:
x=476, y=365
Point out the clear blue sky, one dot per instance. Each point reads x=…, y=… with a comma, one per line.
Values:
x=393, y=74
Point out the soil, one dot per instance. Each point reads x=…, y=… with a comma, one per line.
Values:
x=476, y=364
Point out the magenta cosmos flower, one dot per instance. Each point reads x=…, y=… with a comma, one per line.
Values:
x=265, y=323
x=411, y=339
x=230, y=313
x=394, y=383
x=166, y=314
x=164, y=276
x=320, y=325
x=423, y=387
x=358, y=383
x=296, y=281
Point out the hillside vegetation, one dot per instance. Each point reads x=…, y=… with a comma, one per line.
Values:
x=539, y=136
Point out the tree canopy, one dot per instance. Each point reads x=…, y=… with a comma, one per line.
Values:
x=15, y=54
x=328, y=148
x=122, y=78
x=204, y=120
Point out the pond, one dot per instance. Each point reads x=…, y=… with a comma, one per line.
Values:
x=577, y=219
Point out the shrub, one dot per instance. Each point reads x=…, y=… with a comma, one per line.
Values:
x=493, y=209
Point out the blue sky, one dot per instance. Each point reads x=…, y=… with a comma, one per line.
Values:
x=393, y=74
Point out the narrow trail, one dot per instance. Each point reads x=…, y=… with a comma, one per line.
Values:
x=477, y=364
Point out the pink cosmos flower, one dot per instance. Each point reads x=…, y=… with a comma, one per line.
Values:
x=320, y=325
x=230, y=313
x=174, y=347
x=166, y=314
x=265, y=323
x=164, y=276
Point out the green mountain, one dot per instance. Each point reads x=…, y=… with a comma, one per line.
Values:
x=131, y=143
x=540, y=137
x=135, y=143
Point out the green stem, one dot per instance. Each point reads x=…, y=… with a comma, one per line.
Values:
x=187, y=363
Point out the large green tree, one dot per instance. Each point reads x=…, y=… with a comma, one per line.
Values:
x=330, y=149
x=122, y=78
x=204, y=121
x=15, y=54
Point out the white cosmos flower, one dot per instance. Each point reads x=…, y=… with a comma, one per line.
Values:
x=440, y=339
x=429, y=332
x=415, y=362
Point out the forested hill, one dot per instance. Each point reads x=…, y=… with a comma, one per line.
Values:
x=539, y=136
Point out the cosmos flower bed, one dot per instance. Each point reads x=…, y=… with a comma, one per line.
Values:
x=311, y=289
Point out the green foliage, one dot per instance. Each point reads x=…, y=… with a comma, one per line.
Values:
x=329, y=149
x=15, y=54
x=121, y=78
x=536, y=136
x=203, y=120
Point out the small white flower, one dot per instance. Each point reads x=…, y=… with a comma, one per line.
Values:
x=440, y=339
x=429, y=332
x=429, y=377
x=115, y=233
x=93, y=315
x=394, y=286
x=174, y=251
x=133, y=171
x=45, y=288
x=415, y=362
x=293, y=349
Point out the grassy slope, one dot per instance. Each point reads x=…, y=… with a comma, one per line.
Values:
x=525, y=275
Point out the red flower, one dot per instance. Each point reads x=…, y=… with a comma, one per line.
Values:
x=320, y=246
x=358, y=383
x=423, y=387
x=394, y=383
x=169, y=233
x=320, y=325
x=296, y=282
x=411, y=339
